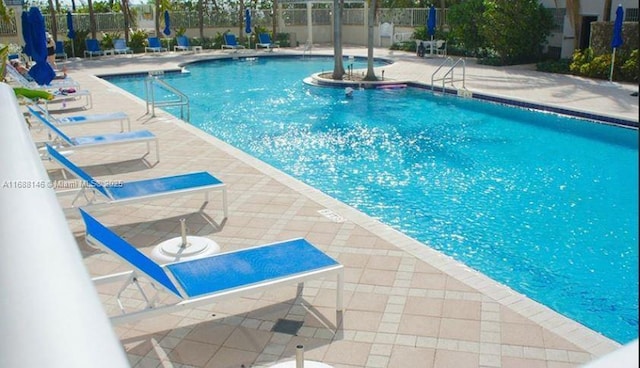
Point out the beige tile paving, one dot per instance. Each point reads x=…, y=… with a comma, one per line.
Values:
x=406, y=305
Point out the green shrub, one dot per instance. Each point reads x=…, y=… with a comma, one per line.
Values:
x=283, y=40
x=630, y=69
x=137, y=40
x=585, y=63
x=554, y=66
x=107, y=40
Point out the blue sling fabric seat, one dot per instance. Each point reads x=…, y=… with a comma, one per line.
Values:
x=230, y=42
x=139, y=136
x=140, y=190
x=154, y=45
x=213, y=278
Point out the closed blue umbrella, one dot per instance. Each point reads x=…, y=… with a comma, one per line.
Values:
x=71, y=33
x=431, y=26
x=247, y=24
x=41, y=72
x=167, y=23
x=431, y=21
x=616, y=41
x=26, y=33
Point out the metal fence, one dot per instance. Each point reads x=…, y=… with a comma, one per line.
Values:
x=114, y=22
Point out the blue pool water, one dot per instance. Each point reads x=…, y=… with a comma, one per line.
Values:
x=545, y=204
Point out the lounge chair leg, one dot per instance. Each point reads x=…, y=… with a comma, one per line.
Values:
x=300, y=290
x=225, y=206
x=340, y=292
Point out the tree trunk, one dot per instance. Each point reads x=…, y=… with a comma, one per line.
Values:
x=127, y=16
x=338, y=67
x=607, y=11
x=158, y=15
x=92, y=19
x=241, y=22
x=371, y=76
x=54, y=22
x=274, y=19
x=200, y=8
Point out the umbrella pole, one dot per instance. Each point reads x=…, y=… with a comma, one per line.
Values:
x=73, y=49
x=613, y=61
x=431, y=46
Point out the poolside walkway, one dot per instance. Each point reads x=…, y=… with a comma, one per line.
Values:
x=406, y=305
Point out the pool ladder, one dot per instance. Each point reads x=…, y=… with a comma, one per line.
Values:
x=307, y=48
x=449, y=76
x=181, y=99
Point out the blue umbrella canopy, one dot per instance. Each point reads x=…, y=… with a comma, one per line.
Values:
x=167, y=23
x=26, y=34
x=431, y=21
x=616, y=41
x=41, y=72
x=71, y=33
x=247, y=21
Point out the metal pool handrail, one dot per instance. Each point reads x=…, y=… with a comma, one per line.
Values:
x=51, y=314
x=182, y=99
x=449, y=73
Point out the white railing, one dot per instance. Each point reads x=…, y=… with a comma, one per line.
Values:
x=181, y=100
x=51, y=315
x=449, y=73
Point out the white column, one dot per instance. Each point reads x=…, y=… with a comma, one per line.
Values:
x=18, y=13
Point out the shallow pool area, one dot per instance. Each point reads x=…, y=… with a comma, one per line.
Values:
x=545, y=204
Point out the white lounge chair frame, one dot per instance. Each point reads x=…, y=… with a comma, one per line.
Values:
x=93, y=189
x=141, y=136
x=216, y=278
x=54, y=88
x=24, y=82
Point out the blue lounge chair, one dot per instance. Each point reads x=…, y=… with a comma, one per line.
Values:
x=154, y=45
x=230, y=42
x=120, y=47
x=265, y=42
x=214, y=278
x=60, y=53
x=24, y=82
x=140, y=190
x=90, y=141
x=183, y=44
x=73, y=120
x=92, y=48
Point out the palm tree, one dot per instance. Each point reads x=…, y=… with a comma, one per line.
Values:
x=200, y=9
x=274, y=18
x=54, y=22
x=607, y=10
x=126, y=12
x=338, y=67
x=92, y=19
x=371, y=76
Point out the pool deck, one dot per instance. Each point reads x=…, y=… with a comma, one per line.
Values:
x=406, y=304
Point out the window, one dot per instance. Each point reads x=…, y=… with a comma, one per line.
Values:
x=558, y=18
x=631, y=15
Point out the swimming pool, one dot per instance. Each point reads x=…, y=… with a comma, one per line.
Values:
x=545, y=204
